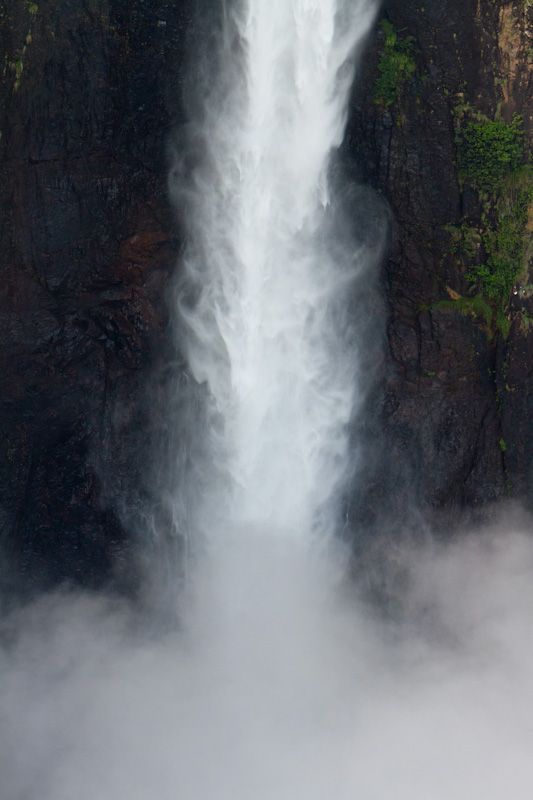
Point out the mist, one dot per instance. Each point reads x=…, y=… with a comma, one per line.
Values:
x=282, y=682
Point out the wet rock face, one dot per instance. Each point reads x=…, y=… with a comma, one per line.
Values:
x=88, y=98
x=455, y=401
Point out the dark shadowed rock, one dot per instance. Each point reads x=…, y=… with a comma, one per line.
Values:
x=89, y=95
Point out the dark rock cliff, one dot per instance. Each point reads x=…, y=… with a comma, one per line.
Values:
x=456, y=401
x=89, y=91
x=89, y=94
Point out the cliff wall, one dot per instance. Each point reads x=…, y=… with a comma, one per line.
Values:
x=90, y=91
x=444, y=83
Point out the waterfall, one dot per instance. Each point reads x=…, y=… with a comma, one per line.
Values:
x=279, y=684
x=269, y=328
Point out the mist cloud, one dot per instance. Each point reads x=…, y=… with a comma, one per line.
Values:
x=281, y=683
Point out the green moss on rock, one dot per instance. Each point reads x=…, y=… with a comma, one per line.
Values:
x=395, y=67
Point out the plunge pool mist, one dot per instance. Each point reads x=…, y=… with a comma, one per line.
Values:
x=280, y=684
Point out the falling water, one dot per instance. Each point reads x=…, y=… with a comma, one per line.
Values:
x=269, y=330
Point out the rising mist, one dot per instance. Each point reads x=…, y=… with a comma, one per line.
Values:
x=282, y=684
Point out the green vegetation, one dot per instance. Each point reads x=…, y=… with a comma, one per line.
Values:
x=488, y=151
x=503, y=445
x=465, y=240
x=18, y=66
x=490, y=157
x=502, y=323
x=495, y=319
x=506, y=245
x=526, y=322
x=396, y=65
x=476, y=306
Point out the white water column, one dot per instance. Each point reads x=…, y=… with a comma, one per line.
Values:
x=269, y=329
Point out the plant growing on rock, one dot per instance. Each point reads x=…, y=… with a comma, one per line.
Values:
x=396, y=65
x=506, y=245
x=490, y=156
x=488, y=151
